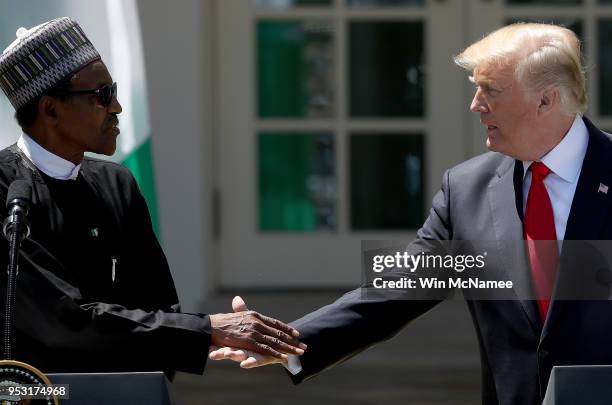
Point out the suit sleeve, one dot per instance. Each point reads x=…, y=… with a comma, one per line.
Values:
x=355, y=321
x=98, y=336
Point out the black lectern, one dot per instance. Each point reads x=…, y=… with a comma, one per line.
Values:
x=116, y=388
x=584, y=385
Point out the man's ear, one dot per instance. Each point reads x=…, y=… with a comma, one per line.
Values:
x=47, y=109
x=549, y=99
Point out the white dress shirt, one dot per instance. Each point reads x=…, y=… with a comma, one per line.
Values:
x=47, y=162
x=565, y=162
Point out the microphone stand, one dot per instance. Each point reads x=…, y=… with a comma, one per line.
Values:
x=15, y=235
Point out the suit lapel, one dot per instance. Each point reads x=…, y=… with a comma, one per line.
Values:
x=507, y=221
x=590, y=209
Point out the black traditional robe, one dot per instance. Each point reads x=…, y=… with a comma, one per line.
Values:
x=75, y=313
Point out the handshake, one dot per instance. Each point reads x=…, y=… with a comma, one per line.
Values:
x=252, y=339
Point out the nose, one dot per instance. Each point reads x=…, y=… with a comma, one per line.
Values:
x=115, y=106
x=479, y=105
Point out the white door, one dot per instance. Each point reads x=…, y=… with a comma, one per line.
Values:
x=336, y=121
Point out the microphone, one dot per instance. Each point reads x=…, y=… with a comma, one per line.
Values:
x=16, y=229
x=18, y=202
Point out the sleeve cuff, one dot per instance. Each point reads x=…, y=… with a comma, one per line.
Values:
x=294, y=366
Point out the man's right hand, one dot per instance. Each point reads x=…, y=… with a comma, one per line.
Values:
x=246, y=358
x=254, y=332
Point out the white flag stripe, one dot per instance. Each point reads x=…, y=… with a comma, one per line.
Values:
x=128, y=71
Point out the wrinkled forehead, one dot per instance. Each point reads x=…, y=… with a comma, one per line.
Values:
x=93, y=75
x=493, y=72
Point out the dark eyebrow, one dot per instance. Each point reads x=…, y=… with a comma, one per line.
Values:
x=103, y=83
x=99, y=84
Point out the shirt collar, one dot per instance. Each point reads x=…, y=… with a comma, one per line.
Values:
x=565, y=159
x=47, y=162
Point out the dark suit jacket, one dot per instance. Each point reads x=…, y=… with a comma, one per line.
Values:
x=481, y=199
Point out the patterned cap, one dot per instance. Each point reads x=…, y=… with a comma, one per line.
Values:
x=42, y=57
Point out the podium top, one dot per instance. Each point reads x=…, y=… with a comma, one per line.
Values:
x=146, y=388
x=585, y=385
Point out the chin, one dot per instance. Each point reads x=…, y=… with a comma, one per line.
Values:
x=107, y=150
x=491, y=146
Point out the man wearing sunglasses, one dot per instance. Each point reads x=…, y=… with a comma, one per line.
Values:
x=95, y=292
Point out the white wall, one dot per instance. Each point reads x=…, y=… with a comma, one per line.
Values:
x=176, y=46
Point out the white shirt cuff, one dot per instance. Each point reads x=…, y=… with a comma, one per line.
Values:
x=294, y=366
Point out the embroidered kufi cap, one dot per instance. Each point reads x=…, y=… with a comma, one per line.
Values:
x=42, y=57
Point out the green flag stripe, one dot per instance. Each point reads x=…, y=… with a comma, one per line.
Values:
x=140, y=163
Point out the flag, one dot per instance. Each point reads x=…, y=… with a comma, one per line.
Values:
x=603, y=188
x=127, y=68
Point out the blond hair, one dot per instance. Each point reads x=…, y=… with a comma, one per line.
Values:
x=543, y=55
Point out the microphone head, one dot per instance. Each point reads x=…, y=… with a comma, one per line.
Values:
x=19, y=190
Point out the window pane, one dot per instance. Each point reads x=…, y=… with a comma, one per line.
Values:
x=295, y=69
x=384, y=3
x=387, y=177
x=385, y=74
x=291, y=3
x=545, y=2
x=297, y=182
x=604, y=49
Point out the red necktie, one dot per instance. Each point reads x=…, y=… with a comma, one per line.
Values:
x=541, y=237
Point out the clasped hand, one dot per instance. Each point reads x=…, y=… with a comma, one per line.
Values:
x=252, y=339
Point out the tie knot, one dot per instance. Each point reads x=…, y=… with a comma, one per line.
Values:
x=539, y=169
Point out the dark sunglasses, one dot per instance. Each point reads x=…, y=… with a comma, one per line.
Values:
x=105, y=93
